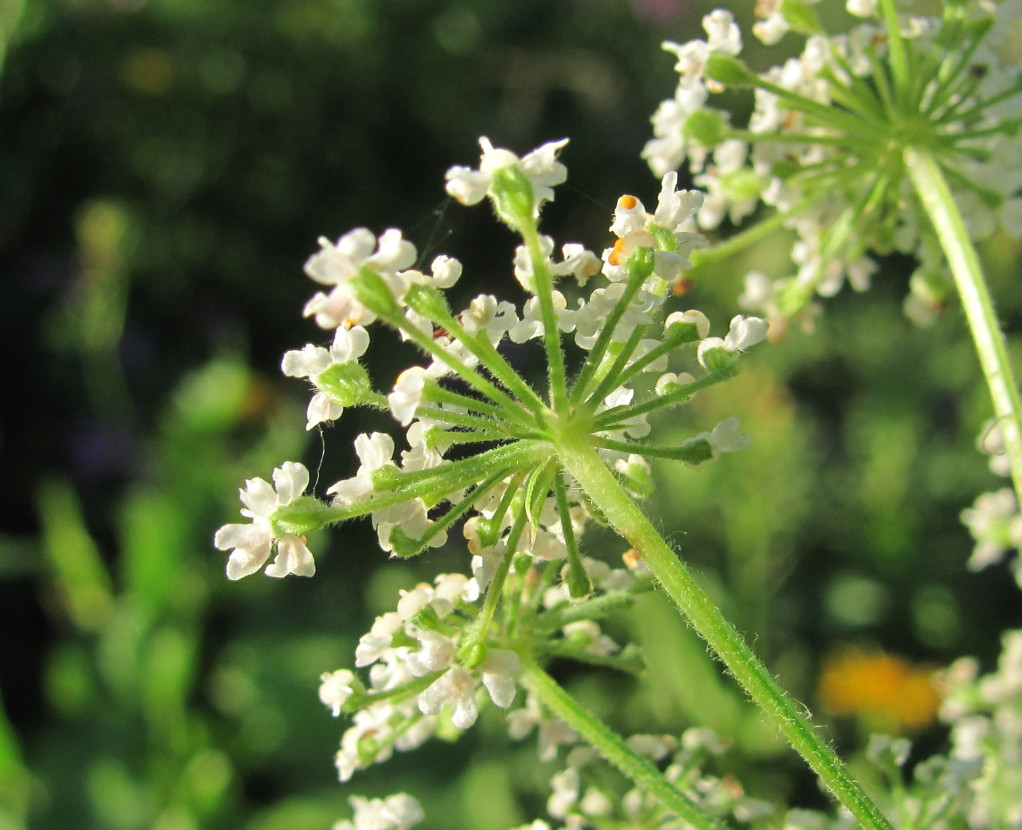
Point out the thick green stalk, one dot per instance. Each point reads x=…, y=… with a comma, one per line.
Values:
x=610, y=745
x=585, y=465
x=936, y=199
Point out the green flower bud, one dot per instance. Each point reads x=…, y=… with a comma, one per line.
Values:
x=729, y=71
x=347, y=383
x=370, y=289
x=301, y=516
x=513, y=197
x=706, y=127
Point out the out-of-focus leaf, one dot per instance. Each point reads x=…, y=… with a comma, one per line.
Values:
x=81, y=578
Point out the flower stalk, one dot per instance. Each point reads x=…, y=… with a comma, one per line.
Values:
x=939, y=204
x=589, y=471
x=613, y=748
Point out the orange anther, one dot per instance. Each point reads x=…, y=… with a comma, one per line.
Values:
x=616, y=252
x=628, y=202
x=682, y=285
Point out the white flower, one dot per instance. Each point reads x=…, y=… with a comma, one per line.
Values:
x=437, y=653
x=446, y=271
x=251, y=544
x=310, y=361
x=484, y=313
x=404, y=400
x=540, y=166
x=744, y=333
x=725, y=437
x=455, y=688
x=336, y=265
x=335, y=688
x=861, y=8
x=396, y=812
x=692, y=316
x=500, y=676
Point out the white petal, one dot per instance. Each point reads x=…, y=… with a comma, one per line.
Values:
x=290, y=479
x=309, y=361
x=259, y=497
x=293, y=557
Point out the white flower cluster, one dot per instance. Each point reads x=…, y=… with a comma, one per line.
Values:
x=615, y=323
x=824, y=141
x=432, y=663
x=582, y=799
x=994, y=520
x=415, y=678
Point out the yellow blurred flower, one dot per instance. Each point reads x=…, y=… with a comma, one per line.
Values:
x=888, y=693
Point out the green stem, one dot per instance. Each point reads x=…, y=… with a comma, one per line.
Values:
x=544, y=285
x=896, y=47
x=585, y=465
x=474, y=638
x=734, y=245
x=639, y=769
x=937, y=200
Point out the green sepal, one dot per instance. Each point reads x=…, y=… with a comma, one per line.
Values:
x=304, y=515
x=576, y=577
x=932, y=287
x=358, y=697
x=784, y=169
x=679, y=333
x=640, y=262
x=742, y=185
x=793, y=297
x=729, y=71
x=520, y=563
x=707, y=127
x=801, y=17
x=428, y=620
x=472, y=655
x=348, y=384
x=387, y=477
x=638, y=480
x=513, y=197
x=428, y=301
x=537, y=489
x=370, y=290
x=666, y=240
x=721, y=359
x=695, y=451
x=403, y=545
x=488, y=531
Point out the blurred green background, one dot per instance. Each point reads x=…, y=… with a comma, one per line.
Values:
x=165, y=169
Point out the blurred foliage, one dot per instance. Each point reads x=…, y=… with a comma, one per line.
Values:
x=166, y=167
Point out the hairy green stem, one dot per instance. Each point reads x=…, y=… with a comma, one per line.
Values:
x=937, y=200
x=544, y=285
x=611, y=746
x=789, y=716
